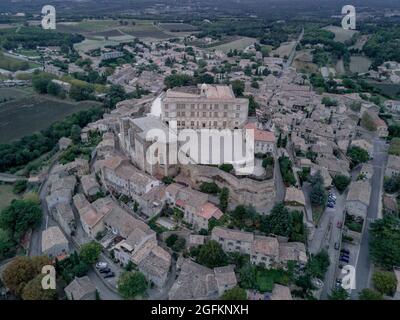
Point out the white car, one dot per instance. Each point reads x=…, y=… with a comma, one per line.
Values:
x=101, y=265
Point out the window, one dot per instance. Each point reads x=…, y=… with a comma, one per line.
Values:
x=225, y=114
x=215, y=123
x=204, y=114
x=216, y=114
x=225, y=107
x=166, y=114
x=216, y=106
x=238, y=108
x=192, y=114
x=166, y=106
x=236, y=115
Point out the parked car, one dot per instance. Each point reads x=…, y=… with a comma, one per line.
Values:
x=101, y=265
x=331, y=205
x=346, y=251
x=105, y=270
x=109, y=275
x=344, y=259
x=337, y=246
x=340, y=266
x=339, y=224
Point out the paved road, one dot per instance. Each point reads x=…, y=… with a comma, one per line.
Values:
x=364, y=267
x=289, y=61
x=6, y=177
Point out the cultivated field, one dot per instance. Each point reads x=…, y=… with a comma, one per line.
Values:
x=239, y=44
x=341, y=35
x=30, y=113
x=113, y=29
x=359, y=64
x=177, y=27
x=284, y=50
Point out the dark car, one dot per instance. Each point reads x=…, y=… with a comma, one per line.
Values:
x=346, y=251
x=109, y=275
x=105, y=270
x=344, y=259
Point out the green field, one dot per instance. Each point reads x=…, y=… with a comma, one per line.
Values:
x=101, y=29
x=341, y=35
x=13, y=64
x=28, y=112
x=6, y=195
x=359, y=64
x=239, y=44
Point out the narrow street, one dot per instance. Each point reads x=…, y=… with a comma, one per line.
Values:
x=364, y=266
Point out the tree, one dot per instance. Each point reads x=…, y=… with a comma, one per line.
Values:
x=248, y=276
x=90, y=252
x=211, y=255
x=223, y=199
x=279, y=222
x=40, y=82
x=132, y=284
x=179, y=244
x=20, y=186
x=75, y=133
x=367, y=122
x=235, y=293
x=18, y=273
x=369, y=294
x=385, y=241
x=341, y=182
x=170, y=241
x=318, y=265
x=19, y=216
x=54, y=89
x=6, y=242
x=238, y=87
x=338, y=294
x=34, y=290
x=318, y=195
x=357, y=155
x=209, y=187
x=385, y=282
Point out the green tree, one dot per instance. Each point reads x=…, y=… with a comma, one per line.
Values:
x=19, y=216
x=279, y=221
x=211, y=255
x=132, y=284
x=338, y=294
x=170, y=241
x=54, y=89
x=20, y=186
x=75, y=133
x=369, y=294
x=385, y=241
x=238, y=88
x=248, y=276
x=318, y=195
x=385, y=282
x=6, y=242
x=341, y=182
x=223, y=199
x=40, y=82
x=367, y=122
x=90, y=252
x=318, y=265
x=235, y=293
x=357, y=155
x=34, y=290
